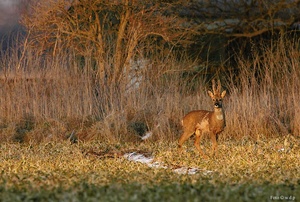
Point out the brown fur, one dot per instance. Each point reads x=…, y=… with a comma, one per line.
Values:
x=202, y=121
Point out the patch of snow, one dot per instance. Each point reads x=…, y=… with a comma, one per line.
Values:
x=138, y=158
x=149, y=161
x=186, y=170
x=147, y=135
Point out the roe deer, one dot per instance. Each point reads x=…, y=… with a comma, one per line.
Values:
x=202, y=121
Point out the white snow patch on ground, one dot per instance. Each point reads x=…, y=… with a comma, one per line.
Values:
x=147, y=135
x=149, y=161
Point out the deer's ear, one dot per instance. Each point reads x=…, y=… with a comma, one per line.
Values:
x=210, y=94
x=223, y=94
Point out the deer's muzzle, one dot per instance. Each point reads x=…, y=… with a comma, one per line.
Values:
x=218, y=105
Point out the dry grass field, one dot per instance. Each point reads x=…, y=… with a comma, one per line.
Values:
x=58, y=171
x=48, y=102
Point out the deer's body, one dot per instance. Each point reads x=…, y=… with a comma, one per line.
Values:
x=201, y=121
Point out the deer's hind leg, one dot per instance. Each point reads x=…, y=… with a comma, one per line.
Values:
x=183, y=138
x=198, y=134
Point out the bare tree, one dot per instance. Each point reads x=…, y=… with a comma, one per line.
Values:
x=109, y=30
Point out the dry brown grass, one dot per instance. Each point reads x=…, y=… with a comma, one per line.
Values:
x=265, y=101
x=42, y=97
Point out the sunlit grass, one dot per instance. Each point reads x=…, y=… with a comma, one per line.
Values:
x=60, y=171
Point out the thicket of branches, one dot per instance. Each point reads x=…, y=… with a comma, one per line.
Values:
x=244, y=18
x=114, y=33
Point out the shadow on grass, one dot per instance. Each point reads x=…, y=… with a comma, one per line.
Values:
x=82, y=191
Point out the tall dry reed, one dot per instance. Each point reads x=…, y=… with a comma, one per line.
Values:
x=262, y=99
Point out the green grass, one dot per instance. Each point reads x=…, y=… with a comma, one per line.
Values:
x=58, y=171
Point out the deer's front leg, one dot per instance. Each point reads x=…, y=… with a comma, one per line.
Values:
x=213, y=137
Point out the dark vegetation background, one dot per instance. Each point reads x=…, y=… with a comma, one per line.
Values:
x=115, y=70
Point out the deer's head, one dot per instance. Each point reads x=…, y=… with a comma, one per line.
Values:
x=216, y=95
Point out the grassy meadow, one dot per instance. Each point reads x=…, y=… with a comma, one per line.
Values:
x=58, y=171
x=63, y=135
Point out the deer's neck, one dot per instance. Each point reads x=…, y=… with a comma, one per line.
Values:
x=219, y=114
